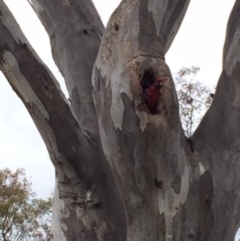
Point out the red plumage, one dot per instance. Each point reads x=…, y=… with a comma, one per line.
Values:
x=152, y=95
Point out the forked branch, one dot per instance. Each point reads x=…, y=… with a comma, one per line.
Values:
x=39, y=91
x=83, y=180
x=138, y=115
x=75, y=30
x=217, y=143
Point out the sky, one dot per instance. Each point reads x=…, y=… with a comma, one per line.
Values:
x=198, y=42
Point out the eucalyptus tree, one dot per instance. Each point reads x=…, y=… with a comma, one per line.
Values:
x=123, y=172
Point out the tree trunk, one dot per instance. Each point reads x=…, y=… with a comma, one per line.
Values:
x=123, y=171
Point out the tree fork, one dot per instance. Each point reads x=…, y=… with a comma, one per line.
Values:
x=85, y=198
x=135, y=170
x=139, y=145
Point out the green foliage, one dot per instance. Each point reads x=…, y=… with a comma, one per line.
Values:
x=22, y=217
x=193, y=97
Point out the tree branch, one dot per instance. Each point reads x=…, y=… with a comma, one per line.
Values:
x=75, y=31
x=223, y=117
x=217, y=139
x=84, y=181
x=220, y=125
x=41, y=94
x=141, y=146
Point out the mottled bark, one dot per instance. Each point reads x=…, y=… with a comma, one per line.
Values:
x=86, y=204
x=122, y=172
x=149, y=151
x=217, y=139
x=75, y=30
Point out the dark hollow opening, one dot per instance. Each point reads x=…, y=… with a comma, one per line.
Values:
x=148, y=79
x=85, y=32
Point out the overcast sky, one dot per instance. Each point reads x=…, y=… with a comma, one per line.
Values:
x=199, y=42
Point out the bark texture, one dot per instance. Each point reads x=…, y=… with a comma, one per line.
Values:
x=123, y=173
x=75, y=32
x=83, y=180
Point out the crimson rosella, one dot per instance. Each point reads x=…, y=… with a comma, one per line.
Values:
x=152, y=94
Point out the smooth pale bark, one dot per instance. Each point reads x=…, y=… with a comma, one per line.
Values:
x=75, y=30
x=217, y=140
x=86, y=204
x=149, y=152
x=126, y=174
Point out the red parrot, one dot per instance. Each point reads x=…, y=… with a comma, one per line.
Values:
x=152, y=94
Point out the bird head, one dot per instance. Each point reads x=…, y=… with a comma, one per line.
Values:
x=158, y=83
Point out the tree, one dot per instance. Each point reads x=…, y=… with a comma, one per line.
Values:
x=194, y=98
x=22, y=217
x=123, y=173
